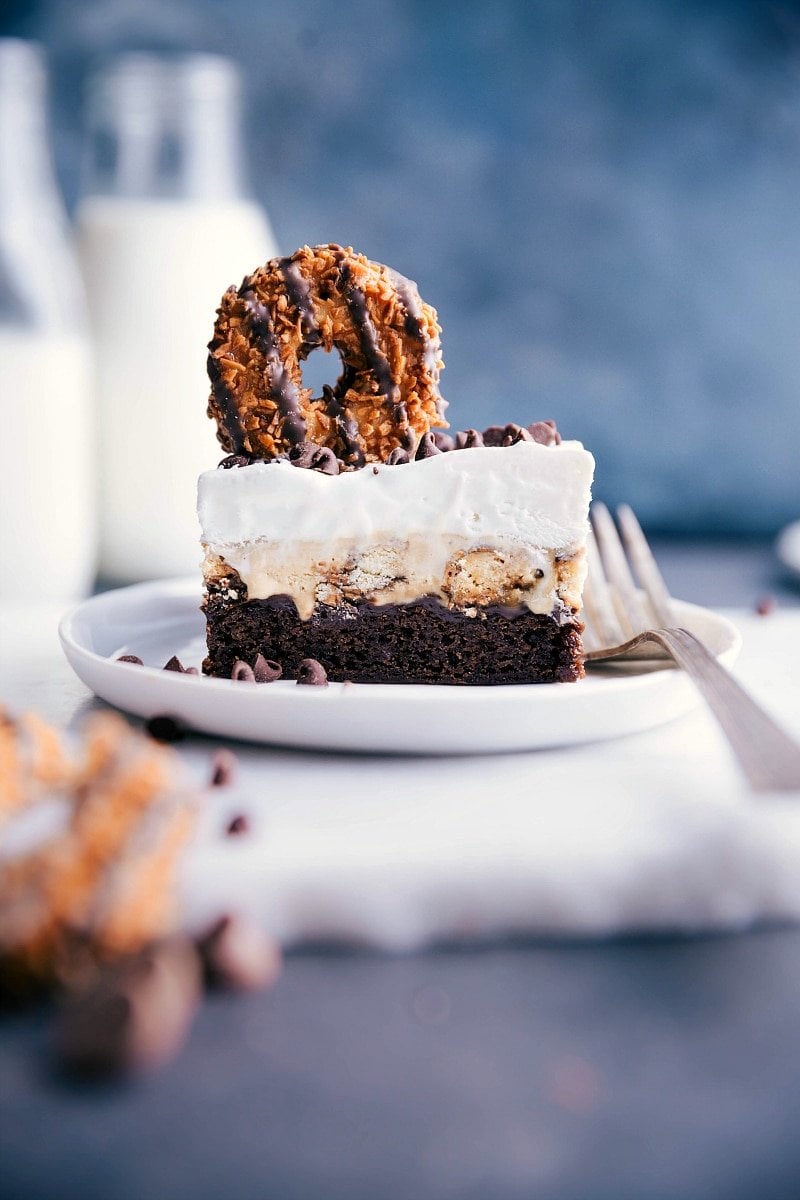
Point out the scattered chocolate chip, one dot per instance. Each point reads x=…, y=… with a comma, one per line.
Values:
x=234, y=460
x=175, y=664
x=325, y=461
x=236, y=953
x=545, y=433
x=427, y=447
x=518, y=433
x=238, y=825
x=766, y=605
x=266, y=670
x=164, y=728
x=444, y=441
x=224, y=766
x=302, y=455
x=242, y=672
x=312, y=672
x=467, y=438
x=397, y=457
x=134, y=1017
x=131, y=658
x=375, y=470
x=506, y=435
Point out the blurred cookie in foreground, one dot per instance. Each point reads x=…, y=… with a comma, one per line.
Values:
x=99, y=883
x=33, y=759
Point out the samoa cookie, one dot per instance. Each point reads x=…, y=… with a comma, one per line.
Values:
x=387, y=395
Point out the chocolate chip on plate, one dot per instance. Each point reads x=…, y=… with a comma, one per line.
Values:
x=243, y=672
x=266, y=670
x=312, y=672
x=131, y=658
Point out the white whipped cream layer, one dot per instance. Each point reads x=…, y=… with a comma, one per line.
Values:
x=480, y=526
x=532, y=494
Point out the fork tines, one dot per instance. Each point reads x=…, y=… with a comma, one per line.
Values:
x=625, y=591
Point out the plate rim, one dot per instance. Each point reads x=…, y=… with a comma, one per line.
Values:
x=401, y=695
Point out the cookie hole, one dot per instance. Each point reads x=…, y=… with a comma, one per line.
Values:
x=322, y=368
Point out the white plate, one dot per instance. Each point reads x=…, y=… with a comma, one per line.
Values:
x=787, y=547
x=159, y=619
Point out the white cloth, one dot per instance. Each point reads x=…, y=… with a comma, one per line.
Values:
x=655, y=831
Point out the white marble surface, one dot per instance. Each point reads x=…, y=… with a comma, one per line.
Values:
x=654, y=831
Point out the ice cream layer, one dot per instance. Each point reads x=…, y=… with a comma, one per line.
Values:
x=479, y=526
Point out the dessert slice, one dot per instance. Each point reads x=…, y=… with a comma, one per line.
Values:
x=383, y=548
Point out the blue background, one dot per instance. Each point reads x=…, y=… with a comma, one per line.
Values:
x=600, y=199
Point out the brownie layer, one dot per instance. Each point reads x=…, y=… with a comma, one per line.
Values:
x=422, y=642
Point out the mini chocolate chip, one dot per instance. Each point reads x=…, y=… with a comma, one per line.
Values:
x=266, y=670
x=236, y=953
x=312, y=672
x=427, y=447
x=132, y=1017
x=164, y=728
x=325, y=461
x=234, y=460
x=174, y=664
x=467, y=438
x=242, y=672
x=506, y=435
x=545, y=433
x=766, y=605
x=302, y=455
x=131, y=658
x=397, y=457
x=238, y=825
x=375, y=470
x=443, y=441
x=224, y=766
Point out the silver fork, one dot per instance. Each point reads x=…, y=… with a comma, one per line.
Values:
x=626, y=621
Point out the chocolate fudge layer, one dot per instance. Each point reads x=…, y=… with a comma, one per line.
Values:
x=421, y=642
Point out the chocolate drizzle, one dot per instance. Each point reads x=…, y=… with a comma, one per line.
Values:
x=226, y=402
x=282, y=388
x=367, y=335
x=299, y=297
x=409, y=297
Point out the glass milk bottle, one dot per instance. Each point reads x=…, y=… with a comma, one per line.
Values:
x=164, y=227
x=46, y=490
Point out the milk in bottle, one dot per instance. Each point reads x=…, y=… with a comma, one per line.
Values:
x=47, y=526
x=164, y=227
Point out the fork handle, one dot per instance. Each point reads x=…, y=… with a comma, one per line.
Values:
x=768, y=756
